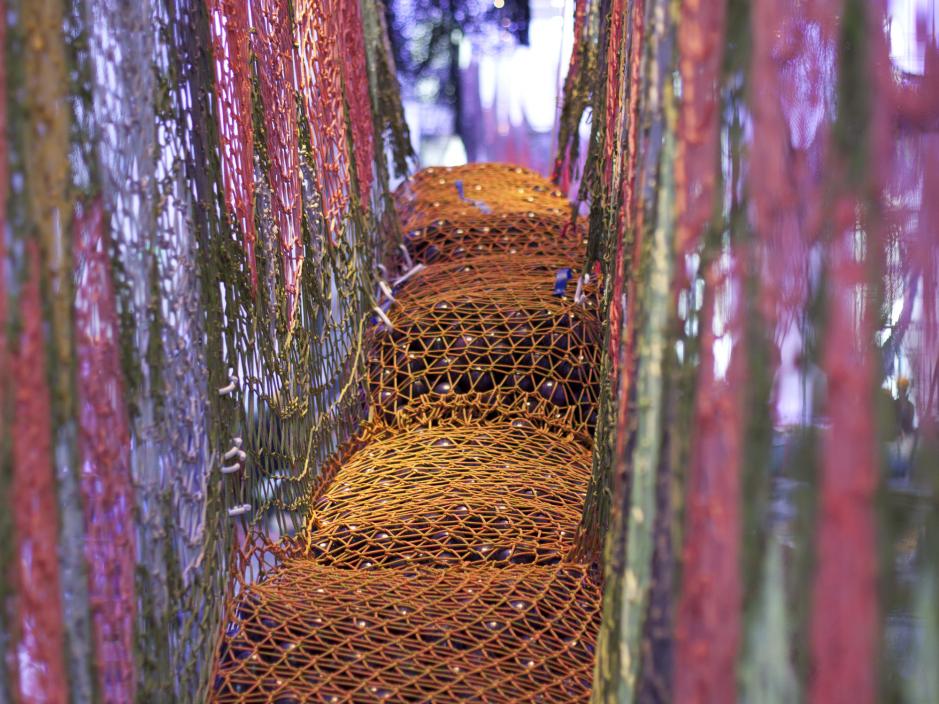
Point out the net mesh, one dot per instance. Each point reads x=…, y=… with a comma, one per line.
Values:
x=476, y=189
x=518, y=233
x=434, y=561
x=217, y=320
x=189, y=372
x=449, y=483
x=498, y=324
x=522, y=633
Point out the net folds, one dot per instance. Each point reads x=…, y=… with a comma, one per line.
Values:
x=434, y=565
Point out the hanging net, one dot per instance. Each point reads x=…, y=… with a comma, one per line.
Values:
x=272, y=431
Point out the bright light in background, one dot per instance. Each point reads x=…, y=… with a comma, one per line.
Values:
x=906, y=51
x=499, y=4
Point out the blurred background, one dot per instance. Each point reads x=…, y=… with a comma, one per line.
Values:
x=481, y=78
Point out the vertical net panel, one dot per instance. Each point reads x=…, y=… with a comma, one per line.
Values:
x=578, y=89
x=7, y=552
x=801, y=324
x=230, y=48
x=104, y=446
x=348, y=17
x=320, y=51
x=176, y=374
x=121, y=96
x=273, y=46
x=40, y=150
x=391, y=129
x=39, y=631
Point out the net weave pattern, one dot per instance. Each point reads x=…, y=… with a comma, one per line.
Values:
x=477, y=189
x=492, y=323
x=466, y=236
x=434, y=562
x=316, y=633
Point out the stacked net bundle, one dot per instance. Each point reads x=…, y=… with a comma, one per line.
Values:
x=433, y=566
x=530, y=233
x=310, y=632
x=476, y=189
x=442, y=487
x=504, y=323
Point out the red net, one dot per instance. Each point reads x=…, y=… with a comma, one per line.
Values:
x=320, y=59
x=230, y=30
x=38, y=627
x=104, y=443
x=700, y=43
x=349, y=17
x=273, y=45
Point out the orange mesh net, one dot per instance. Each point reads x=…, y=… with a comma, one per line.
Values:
x=306, y=632
x=442, y=489
x=477, y=189
x=528, y=233
x=492, y=323
x=434, y=564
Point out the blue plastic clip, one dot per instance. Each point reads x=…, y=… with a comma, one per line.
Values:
x=561, y=277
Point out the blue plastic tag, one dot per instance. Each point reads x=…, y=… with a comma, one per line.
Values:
x=561, y=277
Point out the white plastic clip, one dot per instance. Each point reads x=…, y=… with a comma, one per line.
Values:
x=408, y=274
x=231, y=468
x=384, y=318
x=579, y=294
x=239, y=510
x=233, y=452
x=408, y=262
x=386, y=289
x=232, y=386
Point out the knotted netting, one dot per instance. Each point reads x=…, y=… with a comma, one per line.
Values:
x=500, y=324
x=188, y=258
x=515, y=634
x=764, y=482
x=272, y=431
x=441, y=533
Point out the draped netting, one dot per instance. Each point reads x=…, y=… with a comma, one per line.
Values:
x=201, y=199
x=272, y=430
x=759, y=178
x=435, y=563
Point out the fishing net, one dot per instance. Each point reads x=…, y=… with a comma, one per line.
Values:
x=476, y=189
x=756, y=177
x=518, y=233
x=188, y=264
x=310, y=632
x=449, y=483
x=442, y=529
x=504, y=323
